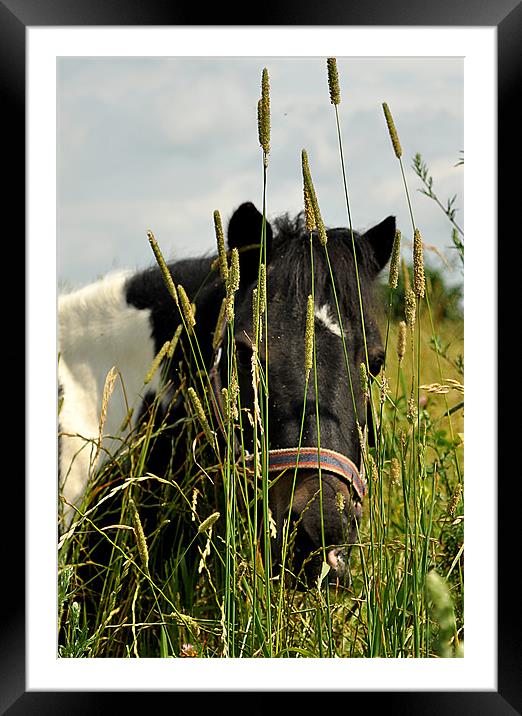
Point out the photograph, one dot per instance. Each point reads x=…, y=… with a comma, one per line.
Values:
x=260, y=267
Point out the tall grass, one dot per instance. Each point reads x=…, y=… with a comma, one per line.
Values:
x=178, y=564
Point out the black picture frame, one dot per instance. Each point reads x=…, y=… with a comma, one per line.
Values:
x=15, y=17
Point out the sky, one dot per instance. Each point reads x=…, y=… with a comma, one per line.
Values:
x=159, y=143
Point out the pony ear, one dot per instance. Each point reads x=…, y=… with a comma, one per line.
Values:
x=381, y=239
x=244, y=230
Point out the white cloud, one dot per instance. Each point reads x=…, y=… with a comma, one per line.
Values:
x=161, y=142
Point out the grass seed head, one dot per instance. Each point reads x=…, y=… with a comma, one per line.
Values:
x=263, y=115
x=401, y=341
x=233, y=395
x=229, y=308
x=309, y=336
x=222, y=254
x=200, y=413
x=225, y=403
x=174, y=342
x=411, y=415
x=455, y=500
x=232, y=284
x=262, y=288
x=233, y=274
x=195, y=494
x=394, y=261
x=395, y=471
x=419, y=283
x=364, y=380
x=333, y=81
x=255, y=312
x=260, y=121
x=163, y=267
x=140, y=535
x=186, y=307
x=254, y=369
x=310, y=190
x=393, y=132
x=437, y=388
x=409, y=308
x=157, y=361
x=206, y=552
x=108, y=388
x=385, y=386
x=308, y=210
x=207, y=524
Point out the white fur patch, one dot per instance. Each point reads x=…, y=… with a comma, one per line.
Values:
x=324, y=315
x=97, y=330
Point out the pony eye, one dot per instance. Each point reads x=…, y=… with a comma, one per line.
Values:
x=243, y=355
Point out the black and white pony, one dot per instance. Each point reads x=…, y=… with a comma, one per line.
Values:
x=124, y=319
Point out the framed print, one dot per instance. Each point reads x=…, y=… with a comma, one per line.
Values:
x=120, y=134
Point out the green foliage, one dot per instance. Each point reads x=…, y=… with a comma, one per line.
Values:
x=206, y=594
x=421, y=169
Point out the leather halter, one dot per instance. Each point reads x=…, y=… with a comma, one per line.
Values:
x=303, y=457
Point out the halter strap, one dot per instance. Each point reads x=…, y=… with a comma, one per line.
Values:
x=318, y=458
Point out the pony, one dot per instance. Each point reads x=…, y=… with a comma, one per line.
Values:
x=313, y=441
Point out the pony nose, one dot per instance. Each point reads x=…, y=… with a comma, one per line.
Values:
x=335, y=558
x=338, y=560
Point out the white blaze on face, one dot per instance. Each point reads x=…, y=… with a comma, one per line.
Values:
x=97, y=330
x=325, y=316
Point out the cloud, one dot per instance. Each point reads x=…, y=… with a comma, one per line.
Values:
x=161, y=142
